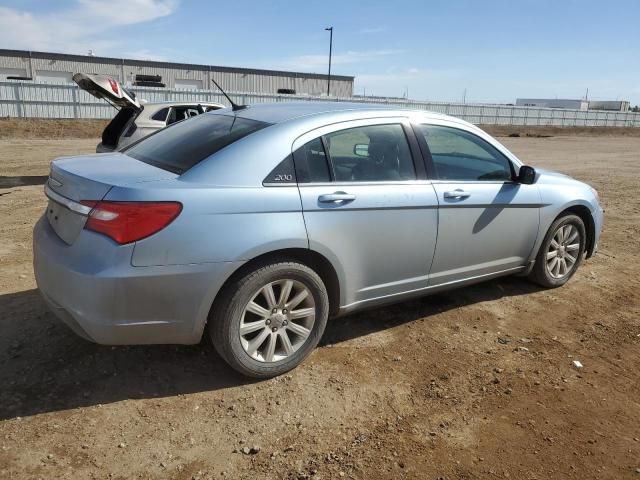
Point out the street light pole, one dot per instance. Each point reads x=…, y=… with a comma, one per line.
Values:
x=330, y=30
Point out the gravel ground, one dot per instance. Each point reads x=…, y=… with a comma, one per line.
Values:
x=473, y=383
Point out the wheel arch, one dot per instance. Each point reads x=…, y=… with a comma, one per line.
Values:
x=312, y=259
x=574, y=208
x=584, y=213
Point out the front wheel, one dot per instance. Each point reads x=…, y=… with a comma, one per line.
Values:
x=561, y=252
x=267, y=321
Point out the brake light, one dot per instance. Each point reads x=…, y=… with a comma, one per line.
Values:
x=127, y=222
x=114, y=85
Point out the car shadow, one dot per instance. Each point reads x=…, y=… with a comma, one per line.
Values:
x=370, y=321
x=22, y=181
x=44, y=367
x=503, y=198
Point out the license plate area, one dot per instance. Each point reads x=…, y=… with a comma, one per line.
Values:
x=65, y=223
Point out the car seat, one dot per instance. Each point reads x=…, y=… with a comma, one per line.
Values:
x=384, y=159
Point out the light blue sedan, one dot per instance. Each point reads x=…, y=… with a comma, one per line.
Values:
x=261, y=223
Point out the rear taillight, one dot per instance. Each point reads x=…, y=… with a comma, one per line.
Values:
x=126, y=222
x=114, y=85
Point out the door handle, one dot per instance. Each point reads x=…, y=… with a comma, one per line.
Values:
x=336, y=197
x=457, y=193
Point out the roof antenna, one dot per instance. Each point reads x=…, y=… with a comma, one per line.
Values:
x=234, y=106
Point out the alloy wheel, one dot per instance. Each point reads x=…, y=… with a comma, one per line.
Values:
x=277, y=320
x=563, y=251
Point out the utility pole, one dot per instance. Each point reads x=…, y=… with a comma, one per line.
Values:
x=330, y=30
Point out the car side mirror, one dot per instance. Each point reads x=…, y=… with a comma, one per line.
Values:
x=527, y=175
x=361, y=150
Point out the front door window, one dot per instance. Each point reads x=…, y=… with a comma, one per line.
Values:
x=460, y=155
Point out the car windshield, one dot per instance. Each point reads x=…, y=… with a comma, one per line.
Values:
x=184, y=144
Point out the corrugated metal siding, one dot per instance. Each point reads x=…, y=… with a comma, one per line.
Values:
x=31, y=99
x=15, y=62
x=75, y=67
x=235, y=80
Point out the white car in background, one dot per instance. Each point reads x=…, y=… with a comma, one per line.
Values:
x=135, y=119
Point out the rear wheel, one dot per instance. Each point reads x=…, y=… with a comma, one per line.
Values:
x=267, y=321
x=561, y=252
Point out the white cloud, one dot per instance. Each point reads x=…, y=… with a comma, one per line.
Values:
x=79, y=28
x=371, y=30
x=126, y=12
x=144, y=54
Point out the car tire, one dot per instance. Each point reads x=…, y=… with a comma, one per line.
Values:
x=567, y=238
x=251, y=306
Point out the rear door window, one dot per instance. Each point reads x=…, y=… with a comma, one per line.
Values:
x=375, y=153
x=181, y=146
x=311, y=163
x=177, y=114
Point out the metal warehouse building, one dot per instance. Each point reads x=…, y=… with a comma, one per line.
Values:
x=609, y=105
x=59, y=68
x=553, y=103
x=606, y=105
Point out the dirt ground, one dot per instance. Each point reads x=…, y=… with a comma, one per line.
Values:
x=12, y=128
x=477, y=383
x=48, y=128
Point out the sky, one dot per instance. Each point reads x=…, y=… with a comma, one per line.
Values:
x=485, y=51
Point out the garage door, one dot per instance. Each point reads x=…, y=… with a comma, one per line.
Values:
x=51, y=76
x=12, y=72
x=185, y=84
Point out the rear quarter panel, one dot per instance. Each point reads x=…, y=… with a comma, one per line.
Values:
x=219, y=224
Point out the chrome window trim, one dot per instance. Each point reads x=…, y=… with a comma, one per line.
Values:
x=367, y=183
x=65, y=202
x=475, y=182
x=280, y=184
x=344, y=125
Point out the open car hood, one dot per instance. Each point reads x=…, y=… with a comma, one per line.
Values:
x=105, y=87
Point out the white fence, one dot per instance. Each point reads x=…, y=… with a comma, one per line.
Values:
x=45, y=100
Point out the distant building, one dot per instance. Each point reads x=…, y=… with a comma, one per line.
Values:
x=553, y=103
x=60, y=67
x=609, y=105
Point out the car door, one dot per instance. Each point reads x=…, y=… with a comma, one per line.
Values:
x=487, y=222
x=367, y=206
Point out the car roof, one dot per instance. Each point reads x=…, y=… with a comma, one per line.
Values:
x=290, y=121
x=283, y=112
x=180, y=103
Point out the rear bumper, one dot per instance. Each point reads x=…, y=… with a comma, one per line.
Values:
x=92, y=287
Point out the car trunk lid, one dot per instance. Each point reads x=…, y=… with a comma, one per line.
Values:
x=108, y=89
x=73, y=180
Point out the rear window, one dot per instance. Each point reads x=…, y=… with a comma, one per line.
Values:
x=182, y=145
